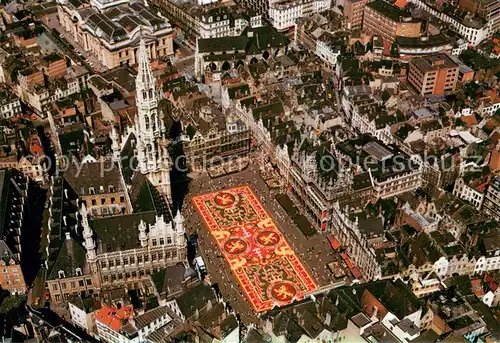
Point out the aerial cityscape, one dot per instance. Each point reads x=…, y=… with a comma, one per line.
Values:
x=250, y=171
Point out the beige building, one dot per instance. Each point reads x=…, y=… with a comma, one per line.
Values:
x=11, y=275
x=353, y=11
x=433, y=75
x=113, y=35
x=100, y=187
x=388, y=21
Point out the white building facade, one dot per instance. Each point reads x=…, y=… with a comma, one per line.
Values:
x=474, y=34
x=283, y=14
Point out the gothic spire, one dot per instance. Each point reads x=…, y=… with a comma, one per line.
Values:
x=87, y=235
x=144, y=73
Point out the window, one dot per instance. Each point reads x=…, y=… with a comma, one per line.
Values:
x=155, y=243
x=89, y=282
x=111, y=263
x=122, y=199
x=132, y=259
x=144, y=95
x=58, y=297
x=63, y=285
x=91, y=190
x=118, y=262
x=94, y=202
x=73, y=284
x=80, y=283
x=103, y=201
x=147, y=123
x=113, y=200
x=169, y=240
x=61, y=274
x=139, y=259
x=162, y=241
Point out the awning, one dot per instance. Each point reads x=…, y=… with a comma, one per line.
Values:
x=333, y=242
x=356, y=273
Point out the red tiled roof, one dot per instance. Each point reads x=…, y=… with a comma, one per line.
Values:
x=477, y=287
x=400, y=3
x=113, y=317
x=469, y=120
x=356, y=273
x=333, y=242
x=494, y=160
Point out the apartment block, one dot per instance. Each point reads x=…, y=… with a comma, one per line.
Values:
x=491, y=204
x=433, y=75
x=353, y=12
x=388, y=21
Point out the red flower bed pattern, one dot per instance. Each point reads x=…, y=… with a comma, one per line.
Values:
x=266, y=267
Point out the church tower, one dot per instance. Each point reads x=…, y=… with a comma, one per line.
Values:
x=152, y=155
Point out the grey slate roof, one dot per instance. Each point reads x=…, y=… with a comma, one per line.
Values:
x=195, y=298
x=120, y=232
x=70, y=257
x=259, y=42
x=85, y=175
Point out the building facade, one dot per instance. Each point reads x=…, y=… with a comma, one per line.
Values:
x=161, y=244
x=10, y=105
x=216, y=55
x=353, y=11
x=112, y=30
x=283, y=15
x=148, y=131
x=208, y=20
x=217, y=147
x=388, y=21
x=491, y=204
x=433, y=75
x=346, y=232
x=468, y=193
x=100, y=187
x=474, y=31
x=11, y=275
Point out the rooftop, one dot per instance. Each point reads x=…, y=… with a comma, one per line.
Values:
x=391, y=11
x=94, y=178
x=114, y=318
x=434, y=62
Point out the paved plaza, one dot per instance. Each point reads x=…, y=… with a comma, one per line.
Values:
x=315, y=252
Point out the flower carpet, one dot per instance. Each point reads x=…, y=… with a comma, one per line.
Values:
x=268, y=270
